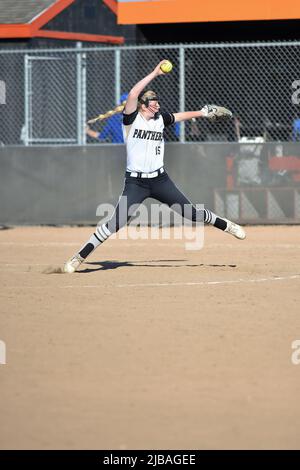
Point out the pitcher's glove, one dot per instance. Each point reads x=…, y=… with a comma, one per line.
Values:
x=216, y=113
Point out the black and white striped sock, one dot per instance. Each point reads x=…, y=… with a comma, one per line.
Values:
x=213, y=219
x=101, y=234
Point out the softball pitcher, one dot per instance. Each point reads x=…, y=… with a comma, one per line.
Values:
x=143, y=125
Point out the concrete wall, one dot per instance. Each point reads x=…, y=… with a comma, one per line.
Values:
x=56, y=185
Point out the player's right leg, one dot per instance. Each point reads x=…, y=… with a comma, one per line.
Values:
x=135, y=192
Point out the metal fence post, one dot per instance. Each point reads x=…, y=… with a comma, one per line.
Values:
x=182, y=91
x=27, y=100
x=83, y=113
x=117, y=76
x=80, y=124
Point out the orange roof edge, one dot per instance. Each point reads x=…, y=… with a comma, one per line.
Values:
x=79, y=36
x=112, y=5
x=15, y=31
x=50, y=13
x=33, y=29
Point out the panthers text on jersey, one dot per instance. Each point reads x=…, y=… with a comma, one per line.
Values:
x=144, y=140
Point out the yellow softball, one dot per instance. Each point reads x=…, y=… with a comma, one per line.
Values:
x=167, y=66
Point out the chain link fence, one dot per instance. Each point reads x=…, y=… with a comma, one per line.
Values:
x=51, y=93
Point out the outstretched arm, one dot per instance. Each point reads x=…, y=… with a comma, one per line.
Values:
x=209, y=111
x=187, y=115
x=131, y=103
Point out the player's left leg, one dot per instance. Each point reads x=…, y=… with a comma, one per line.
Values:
x=167, y=192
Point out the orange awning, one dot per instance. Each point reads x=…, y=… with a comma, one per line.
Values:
x=181, y=11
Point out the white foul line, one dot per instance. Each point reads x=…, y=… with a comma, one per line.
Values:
x=197, y=283
x=210, y=283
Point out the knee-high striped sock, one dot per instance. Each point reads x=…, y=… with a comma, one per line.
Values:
x=213, y=219
x=101, y=234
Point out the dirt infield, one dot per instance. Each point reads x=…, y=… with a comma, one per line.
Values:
x=150, y=346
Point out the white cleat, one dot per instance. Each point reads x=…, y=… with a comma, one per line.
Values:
x=235, y=230
x=73, y=263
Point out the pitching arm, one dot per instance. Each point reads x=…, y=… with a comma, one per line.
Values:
x=131, y=103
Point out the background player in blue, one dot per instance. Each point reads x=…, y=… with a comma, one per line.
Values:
x=112, y=131
x=143, y=125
